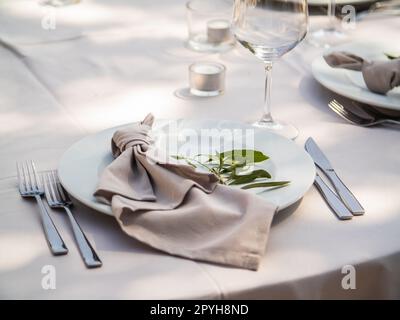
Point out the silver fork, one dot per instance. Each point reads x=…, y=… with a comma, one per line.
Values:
x=352, y=117
x=31, y=186
x=57, y=197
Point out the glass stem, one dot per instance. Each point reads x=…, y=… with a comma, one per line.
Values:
x=331, y=14
x=267, y=96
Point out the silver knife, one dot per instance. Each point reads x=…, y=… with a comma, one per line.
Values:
x=332, y=199
x=323, y=163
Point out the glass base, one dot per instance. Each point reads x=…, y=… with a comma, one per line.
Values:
x=188, y=94
x=281, y=128
x=58, y=3
x=327, y=38
x=199, y=43
x=201, y=93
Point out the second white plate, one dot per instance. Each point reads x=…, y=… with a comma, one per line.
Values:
x=350, y=84
x=338, y=2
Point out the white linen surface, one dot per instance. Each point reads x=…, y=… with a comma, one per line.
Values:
x=112, y=62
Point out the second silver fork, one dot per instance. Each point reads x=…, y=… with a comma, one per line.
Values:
x=58, y=198
x=356, y=119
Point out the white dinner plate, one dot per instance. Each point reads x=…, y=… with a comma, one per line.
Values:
x=82, y=164
x=351, y=84
x=338, y=2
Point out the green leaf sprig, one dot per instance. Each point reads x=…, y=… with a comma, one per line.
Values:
x=392, y=56
x=232, y=168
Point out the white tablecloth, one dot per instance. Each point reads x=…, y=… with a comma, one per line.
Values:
x=112, y=62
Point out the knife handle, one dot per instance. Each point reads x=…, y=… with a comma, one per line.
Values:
x=332, y=200
x=345, y=194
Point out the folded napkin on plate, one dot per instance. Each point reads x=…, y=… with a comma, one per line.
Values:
x=379, y=76
x=174, y=208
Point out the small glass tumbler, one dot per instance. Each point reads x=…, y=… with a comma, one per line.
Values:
x=58, y=3
x=209, y=25
x=206, y=79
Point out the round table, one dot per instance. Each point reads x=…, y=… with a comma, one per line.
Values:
x=70, y=71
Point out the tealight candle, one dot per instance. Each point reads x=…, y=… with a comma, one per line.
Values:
x=206, y=79
x=218, y=31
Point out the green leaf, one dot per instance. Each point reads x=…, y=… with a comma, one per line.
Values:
x=178, y=157
x=185, y=159
x=266, y=184
x=212, y=158
x=221, y=161
x=224, y=166
x=244, y=155
x=231, y=167
x=392, y=56
x=190, y=163
x=246, y=178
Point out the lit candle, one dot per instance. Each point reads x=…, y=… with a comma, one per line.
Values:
x=218, y=31
x=207, y=78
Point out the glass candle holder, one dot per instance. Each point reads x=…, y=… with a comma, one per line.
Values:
x=209, y=25
x=206, y=79
x=58, y=3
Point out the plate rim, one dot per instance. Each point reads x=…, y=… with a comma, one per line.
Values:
x=339, y=2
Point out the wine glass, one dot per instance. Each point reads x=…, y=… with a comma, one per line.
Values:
x=329, y=35
x=58, y=3
x=269, y=29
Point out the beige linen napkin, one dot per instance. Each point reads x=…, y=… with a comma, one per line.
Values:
x=379, y=76
x=174, y=208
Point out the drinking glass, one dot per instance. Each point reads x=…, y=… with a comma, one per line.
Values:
x=269, y=29
x=330, y=35
x=58, y=3
x=209, y=25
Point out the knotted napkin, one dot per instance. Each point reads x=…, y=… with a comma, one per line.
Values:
x=379, y=76
x=174, y=208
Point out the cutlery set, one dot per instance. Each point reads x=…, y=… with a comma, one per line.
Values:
x=342, y=202
x=32, y=184
x=35, y=185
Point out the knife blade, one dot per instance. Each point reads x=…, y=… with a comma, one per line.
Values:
x=323, y=163
x=332, y=200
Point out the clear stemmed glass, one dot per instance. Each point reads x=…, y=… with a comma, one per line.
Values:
x=58, y=3
x=269, y=29
x=330, y=35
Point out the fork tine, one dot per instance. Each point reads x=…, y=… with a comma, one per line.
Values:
x=35, y=176
x=334, y=107
x=21, y=180
x=349, y=114
x=338, y=107
x=51, y=187
x=28, y=178
x=63, y=196
x=46, y=187
x=62, y=193
x=54, y=186
x=341, y=111
x=32, y=176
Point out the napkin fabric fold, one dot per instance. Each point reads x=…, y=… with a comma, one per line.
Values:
x=174, y=208
x=379, y=76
